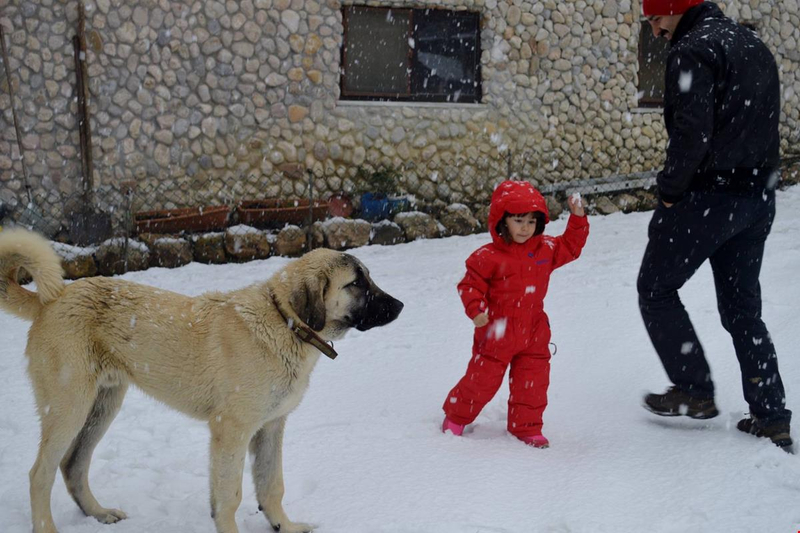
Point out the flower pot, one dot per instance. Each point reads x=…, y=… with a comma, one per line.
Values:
x=189, y=219
x=340, y=205
x=278, y=212
x=398, y=204
x=380, y=207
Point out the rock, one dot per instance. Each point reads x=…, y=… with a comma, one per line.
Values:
x=790, y=175
x=417, y=225
x=554, y=207
x=275, y=80
x=610, y=8
x=290, y=242
x=209, y=248
x=117, y=256
x=167, y=251
x=604, y=206
x=291, y=20
x=647, y=199
x=127, y=33
x=482, y=216
x=627, y=202
x=341, y=233
x=77, y=262
x=457, y=219
x=386, y=232
x=316, y=235
x=245, y=243
x=297, y=113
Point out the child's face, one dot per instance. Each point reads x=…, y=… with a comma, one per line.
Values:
x=521, y=227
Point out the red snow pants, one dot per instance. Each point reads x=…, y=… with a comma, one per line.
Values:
x=522, y=343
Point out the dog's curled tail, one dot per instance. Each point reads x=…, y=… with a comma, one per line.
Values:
x=21, y=248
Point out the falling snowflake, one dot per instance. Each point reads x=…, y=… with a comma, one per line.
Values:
x=685, y=81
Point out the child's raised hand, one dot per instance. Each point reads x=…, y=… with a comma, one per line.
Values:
x=576, y=205
x=481, y=320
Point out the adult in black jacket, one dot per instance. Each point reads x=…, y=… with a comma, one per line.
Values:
x=717, y=202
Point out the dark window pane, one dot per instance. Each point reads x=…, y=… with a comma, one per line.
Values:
x=653, y=53
x=447, y=54
x=376, y=51
x=411, y=55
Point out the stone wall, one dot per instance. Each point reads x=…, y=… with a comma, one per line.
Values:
x=199, y=102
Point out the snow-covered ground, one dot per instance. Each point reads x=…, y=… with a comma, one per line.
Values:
x=363, y=452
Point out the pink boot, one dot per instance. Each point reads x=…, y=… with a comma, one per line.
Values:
x=452, y=427
x=537, y=441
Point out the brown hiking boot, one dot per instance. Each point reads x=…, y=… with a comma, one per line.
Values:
x=675, y=402
x=777, y=432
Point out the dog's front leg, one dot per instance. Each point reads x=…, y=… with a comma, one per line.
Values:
x=228, y=450
x=266, y=448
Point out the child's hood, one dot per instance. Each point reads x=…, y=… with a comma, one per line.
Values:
x=515, y=197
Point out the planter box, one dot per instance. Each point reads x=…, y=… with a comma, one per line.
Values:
x=277, y=212
x=189, y=219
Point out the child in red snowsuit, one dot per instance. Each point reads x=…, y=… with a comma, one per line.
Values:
x=503, y=293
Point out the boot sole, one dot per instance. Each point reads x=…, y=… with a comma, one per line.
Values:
x=788, y=447
x=698, y=415
x=782, y=441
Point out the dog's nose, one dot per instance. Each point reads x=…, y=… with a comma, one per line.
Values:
x=395, y=307
x=387, y=309
x=381, y=310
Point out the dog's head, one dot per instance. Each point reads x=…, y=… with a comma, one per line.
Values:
x=332, y=292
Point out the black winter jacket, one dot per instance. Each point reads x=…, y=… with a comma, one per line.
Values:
x=721, y=108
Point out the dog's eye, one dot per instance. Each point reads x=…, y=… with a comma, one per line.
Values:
x=360, y=282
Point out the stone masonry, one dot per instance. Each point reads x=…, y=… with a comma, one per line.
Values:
x=202, y=101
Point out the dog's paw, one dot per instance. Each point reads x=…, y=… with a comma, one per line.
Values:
x=110, y=516
x=293, y=527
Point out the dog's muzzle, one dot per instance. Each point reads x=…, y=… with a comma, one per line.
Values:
x=379, y=310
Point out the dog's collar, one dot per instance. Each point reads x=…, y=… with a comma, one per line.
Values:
x=305, y=333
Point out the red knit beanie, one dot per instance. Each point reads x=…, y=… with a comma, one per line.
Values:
x=667, y=7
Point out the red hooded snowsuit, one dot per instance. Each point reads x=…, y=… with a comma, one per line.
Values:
x=509, y=282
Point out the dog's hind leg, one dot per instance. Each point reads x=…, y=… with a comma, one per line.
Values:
x=75, y=465
x=228, y=450
x=266, y=447
x=63, y=407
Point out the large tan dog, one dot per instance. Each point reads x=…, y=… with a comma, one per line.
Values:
x=239, y=360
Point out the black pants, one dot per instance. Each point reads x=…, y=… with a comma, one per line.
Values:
x=729, y=231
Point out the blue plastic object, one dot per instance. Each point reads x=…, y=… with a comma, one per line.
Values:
x=374, y=207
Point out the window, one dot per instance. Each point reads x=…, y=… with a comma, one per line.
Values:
x=423, y=55
x=653, y=53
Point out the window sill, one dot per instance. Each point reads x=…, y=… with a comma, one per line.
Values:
x=645, y=110
x=428, y=105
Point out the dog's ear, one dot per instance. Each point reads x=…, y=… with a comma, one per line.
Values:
x=308, y=301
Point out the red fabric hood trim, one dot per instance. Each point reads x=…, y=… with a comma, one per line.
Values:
x=515, y=197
